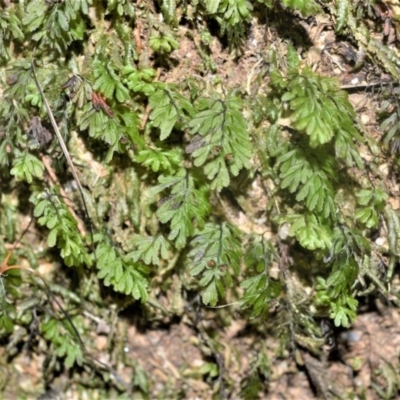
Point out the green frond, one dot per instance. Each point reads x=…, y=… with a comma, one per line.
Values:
x=215, y=254
x=221, y=143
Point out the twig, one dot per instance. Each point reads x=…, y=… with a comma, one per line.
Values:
x=63, y=148
x=68, y=203
x=367, y=85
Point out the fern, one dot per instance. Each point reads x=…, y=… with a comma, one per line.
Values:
x=111, y=130
x=310, y=176
x=108, y=82
x=215, y=254
x=373, y=201
x=26, y=167
x=167, y=108
x=121, y=7
x=162, y=166
x=232, y=15
x=318, y=107
x=184, y=208
x=64, y=341
x=393, y=226
x=139, y=80
x=55, y=26
x=121, y=273
x=335, y=291
x=169, y=11
x=149, y=249
x=306, y=7
x=389, y=115
x=163, y=42
x=160, y=159
x=52, y=213
x=342, y=13
x=10, y=28
x=260, y=289
x=311, y=231
x=221, y=143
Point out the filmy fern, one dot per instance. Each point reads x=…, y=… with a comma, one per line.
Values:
x=53, y=213
x=149, y=249
x=335, y=292
x=26, y=167
x=10, y=28
x=319, y=107
x=64, y=341
x=215, y=254
x=310, y=176
x=154, y=199
x=260, y=289
x=108, y=82
x=160, y=159
x=168, y=107
x=184, y=208
x=221, y=145
x=120, y=272
x=372, y=202
x=306, y=7
x=342, y=13
x=55, y=24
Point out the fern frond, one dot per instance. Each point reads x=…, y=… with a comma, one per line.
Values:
x=215, y=254
x=167, y=108
x=184, y=208
x=306, y=7
x=221, y=143
x=53, y=213
x=260, y=289
x=121, y=273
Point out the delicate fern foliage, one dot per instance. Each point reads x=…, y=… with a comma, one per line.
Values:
x=306, y=7
x=311, y=231
x=221, y=143
x=64, y=341
x=372, y=202
x=310, y=176
x=181, y=177
x=10, y=28
x=13, y=116
x=122, y=7
x=342, y=13
x=149, y=249
x=318, y=107
x=184, y=208
x=393, y=226
x=6, y=322
x=26, y=167
x=260, y=289
x=390, y=120
x=343, y=307
x=159, y=159
x=232, y=16
x=53, y=213
x=335, y=291
x=121, y=273
x=108, y=82
x=163, y=42
x=139, y=80
x=169, y=11
x=215, y=254
x=57, y=24
x=111, y=130
x=168, y=107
